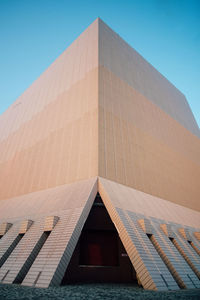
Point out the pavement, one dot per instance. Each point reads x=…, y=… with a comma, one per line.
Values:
x=92, y=291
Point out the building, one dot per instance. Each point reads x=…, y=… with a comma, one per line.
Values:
x=99, y=173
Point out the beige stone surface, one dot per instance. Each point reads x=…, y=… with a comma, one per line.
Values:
x=95, y=111
x=25, y=225
x=64, y=210
x=71, y=204
x=147, y=263
x=49, y=136
x=4, y=227
x=141, y=203
x=175, y=259
x=101, y=110
x=47, y=202
x=135, y=215
x=143, y=147
x=50, y=223
x=197, y=235
x=128, y=65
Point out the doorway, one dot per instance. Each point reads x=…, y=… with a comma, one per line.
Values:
x=99, y=255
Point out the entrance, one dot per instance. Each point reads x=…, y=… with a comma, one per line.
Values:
x=99, y=255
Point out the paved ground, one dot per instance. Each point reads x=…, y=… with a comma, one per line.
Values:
x=92, y=291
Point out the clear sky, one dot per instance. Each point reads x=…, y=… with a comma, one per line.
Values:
x=33, y=33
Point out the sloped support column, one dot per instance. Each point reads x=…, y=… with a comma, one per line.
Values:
x=10, y=249
x=169, y=239
x=49, y=224
x=122, y=204
x=169, y=265
x=16, y=261
x=9, y=260
x=51, y=263
x=188, y=260
x=147, y=270
x=185, y=243
x=148, y=229
x=7, y=239
x=31, y=258
x=190, y=239
x=7, y=245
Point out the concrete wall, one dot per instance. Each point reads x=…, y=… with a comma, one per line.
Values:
x=49, y=136
x=148, y=138
x=101, y=109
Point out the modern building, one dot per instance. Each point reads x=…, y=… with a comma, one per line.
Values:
x=100, y=173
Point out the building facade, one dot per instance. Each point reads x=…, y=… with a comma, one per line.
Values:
x=100, y=167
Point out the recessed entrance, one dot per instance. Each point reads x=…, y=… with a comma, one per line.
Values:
x=99, y=248
x=99, y=255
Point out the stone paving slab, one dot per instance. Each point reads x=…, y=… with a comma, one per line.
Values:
x=92, y=291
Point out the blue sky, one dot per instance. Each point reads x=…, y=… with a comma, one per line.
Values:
x=33, y=33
